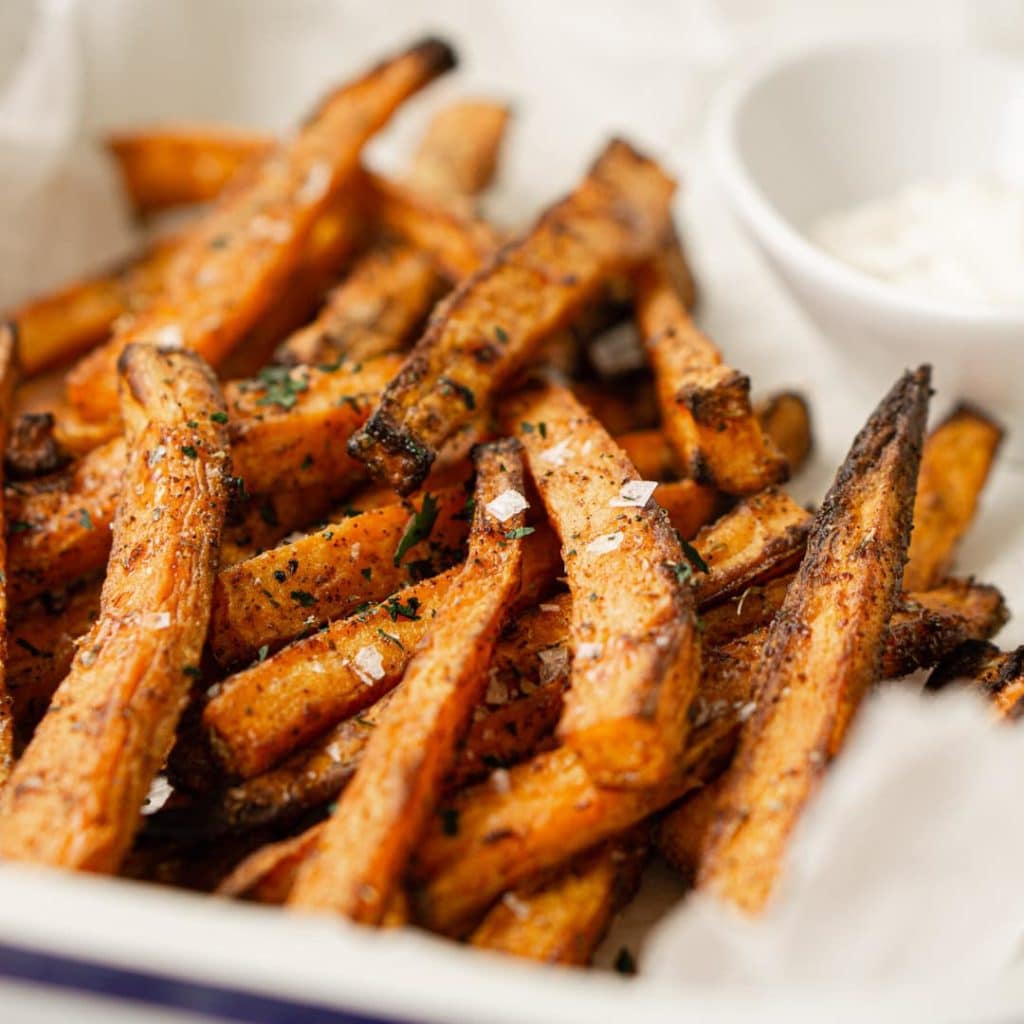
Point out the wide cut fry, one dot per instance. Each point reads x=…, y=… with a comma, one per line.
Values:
x=75, y=797
x=997, y=675
x=266, y=601
x=361, y=855
x=705, y=405
x=226, y=270
x=636, y=648
x=265, y=712
x=824, y=648
x=955, y=464
x=563, y=920
x=177, y=164
x=495, y=320
x=8, y=371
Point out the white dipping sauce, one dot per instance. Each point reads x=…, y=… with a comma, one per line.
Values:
x=959, y=241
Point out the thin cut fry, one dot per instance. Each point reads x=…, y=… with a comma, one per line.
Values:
x=997, y=675
x=224, y=277
x=273, y=707
x=177, y=164
x=8, y=371
x=705, y=405
x=54, y=328
x=786, y=418
x=955, y=464
x=359, y=860
x=75, y=797
x=459, y=152
x=824, y=648
x=564, y=920
x=494, y=322
x=636, y=647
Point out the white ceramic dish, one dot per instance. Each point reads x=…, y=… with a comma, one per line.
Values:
x=822, y=130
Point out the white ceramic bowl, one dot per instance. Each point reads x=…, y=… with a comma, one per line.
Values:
x=819, y=131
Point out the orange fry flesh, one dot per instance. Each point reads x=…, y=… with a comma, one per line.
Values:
x=75, y=797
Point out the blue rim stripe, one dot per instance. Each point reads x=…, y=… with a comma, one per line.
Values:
x=54, y=970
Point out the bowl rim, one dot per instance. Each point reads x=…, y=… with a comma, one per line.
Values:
x=762, y=218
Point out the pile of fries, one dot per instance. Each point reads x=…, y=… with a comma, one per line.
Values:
x=320, y=517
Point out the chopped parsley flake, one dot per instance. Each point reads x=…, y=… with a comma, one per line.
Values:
x=189, y=451
x=85, y=519
x=519, y=532
x=282, y=386
x=419, y=527
x=391, y=639
x=261, y=654
x=219, y=417
x=408, y=611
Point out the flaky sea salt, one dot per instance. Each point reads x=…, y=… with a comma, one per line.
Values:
x=506, y=505
x=558, y=454
x=634, y=494
x=606, y=543
x=368, y=664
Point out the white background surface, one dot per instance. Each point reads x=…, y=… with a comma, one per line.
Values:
x=576, y=72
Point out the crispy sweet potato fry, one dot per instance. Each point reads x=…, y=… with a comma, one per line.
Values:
x=957, y=458
x=56, y=327
x=225, y=274
x=650, y=453
x=824, y=648
x=683, y=831
x=563, y=920
x=75, y=797
x=636, y=648
x=494, y=321
x=359, y=860
x=375, y=310
x=289, y=427
x=459, y=152
x=786, y=419
x=272, y=708
x=32, y=449
x=264, y=602
x=762, y=537
x=997, y=675
x=177, y=164
x=705, y=405
x=8, y=372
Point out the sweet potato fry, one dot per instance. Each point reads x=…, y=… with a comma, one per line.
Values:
x=705, y=405
x=683, y=831
x=264, y=602
x=177, y=164
x=32, y=448
x=272, y=708
x=636, y=648
x=225, y=274
x=997, y=675
x=289, y=426
x=786, y=419
x=75, y=797
x=955, y=464
x=359, y=860
x=8, y=372
x=459, y=152
x=824, y=648
x=763, y=536
x=375, y=310
x=56, y=327
x=496, y=320
x=650, y=453
x=267, y=875
x=563, y=920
